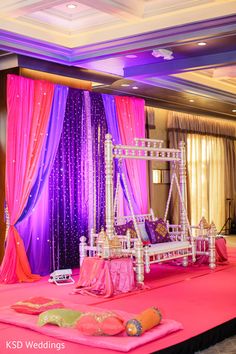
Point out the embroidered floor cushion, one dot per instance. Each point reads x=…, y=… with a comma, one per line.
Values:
x=59, y=317
x=36, y=305
x=98, y=324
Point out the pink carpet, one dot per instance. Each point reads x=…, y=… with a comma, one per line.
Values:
x=197, y=297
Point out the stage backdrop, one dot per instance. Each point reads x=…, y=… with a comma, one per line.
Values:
x=55, y=187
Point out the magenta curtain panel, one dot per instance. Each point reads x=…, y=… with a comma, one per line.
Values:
x=131, y=121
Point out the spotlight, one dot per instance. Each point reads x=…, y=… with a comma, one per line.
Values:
x=71, y=6
x=202, y=43
x=131, y=56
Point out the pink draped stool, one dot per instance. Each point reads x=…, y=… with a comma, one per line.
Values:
x=221, y=251
x=105, y=277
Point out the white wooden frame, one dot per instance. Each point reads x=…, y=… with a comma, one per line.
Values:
x=183, y=243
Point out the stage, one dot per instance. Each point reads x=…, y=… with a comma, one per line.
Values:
x=202, y=300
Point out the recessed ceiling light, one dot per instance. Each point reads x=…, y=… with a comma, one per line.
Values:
x=135, y=87
x=202, y=43
x=71, y=6
x=234, y=110
x=125, y=85
x=131, y=56
x=191, y=100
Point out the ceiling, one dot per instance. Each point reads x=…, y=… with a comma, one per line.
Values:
x=146, y=48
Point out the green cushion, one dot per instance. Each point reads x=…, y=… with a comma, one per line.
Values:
x=60, y=317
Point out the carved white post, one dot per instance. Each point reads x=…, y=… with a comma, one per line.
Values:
x=128, y=240
x=139, y=262
x=109, y=186
x=183, y=204
x=82, y=249
x=212, y=252
x=146, y=259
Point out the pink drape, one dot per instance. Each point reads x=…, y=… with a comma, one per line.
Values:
x=131, y=120
x=105, y=277
x=28, y=103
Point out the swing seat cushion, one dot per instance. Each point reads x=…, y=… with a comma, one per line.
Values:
x=157, y=231
x=168, y=247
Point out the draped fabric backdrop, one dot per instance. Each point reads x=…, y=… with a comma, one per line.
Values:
x=55, y=171
x=29, y=104
x=211, y=158
x=77, y=181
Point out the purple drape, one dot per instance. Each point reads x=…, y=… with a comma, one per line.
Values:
x=77, y=181
x=99, y=129
x=33, y=223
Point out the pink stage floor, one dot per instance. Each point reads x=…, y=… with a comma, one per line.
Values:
x=197, y=297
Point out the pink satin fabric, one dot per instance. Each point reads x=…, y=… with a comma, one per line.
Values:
x=221, y=251
x=105, y=277
x=28, y=111
x=131, y=121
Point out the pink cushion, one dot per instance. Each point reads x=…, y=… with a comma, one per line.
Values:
x=36, y=305
x=98, y=324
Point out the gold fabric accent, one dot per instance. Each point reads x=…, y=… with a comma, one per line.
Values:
x=161, y=229
x=36, y=306
x=56, y=79
x=133, y=233
x=100, y=317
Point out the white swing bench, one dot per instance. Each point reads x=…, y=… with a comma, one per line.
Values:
x=182, y=244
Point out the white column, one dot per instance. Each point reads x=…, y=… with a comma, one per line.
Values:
x=182, y=184
x=183, y=204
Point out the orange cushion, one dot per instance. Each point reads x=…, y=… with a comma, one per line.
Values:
x=36, y=305
x=97, y=324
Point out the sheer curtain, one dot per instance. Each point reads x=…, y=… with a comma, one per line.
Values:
x=211, y=164
x=206, y=176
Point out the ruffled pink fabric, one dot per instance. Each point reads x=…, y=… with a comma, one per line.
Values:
x=221, y=251
x=105, y=277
